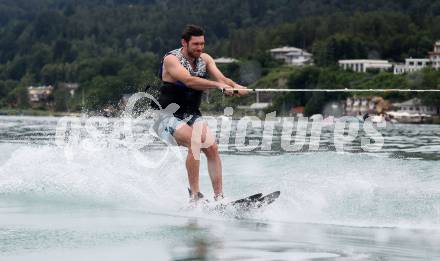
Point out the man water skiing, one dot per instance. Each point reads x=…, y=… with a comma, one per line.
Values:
x=184, y=74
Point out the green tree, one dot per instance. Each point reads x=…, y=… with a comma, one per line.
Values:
x=338, y=47
x=61, y=98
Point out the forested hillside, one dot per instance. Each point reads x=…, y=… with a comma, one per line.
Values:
x=113, y=47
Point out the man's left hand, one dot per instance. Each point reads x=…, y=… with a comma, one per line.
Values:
x=240, y=90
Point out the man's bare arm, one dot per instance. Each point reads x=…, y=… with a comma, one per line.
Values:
x=215, y=72
x=218, y=75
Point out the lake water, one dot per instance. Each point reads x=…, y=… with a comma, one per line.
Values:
x=98, y=198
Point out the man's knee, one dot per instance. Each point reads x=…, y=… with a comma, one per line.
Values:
x=211, y=151
x=183, y=135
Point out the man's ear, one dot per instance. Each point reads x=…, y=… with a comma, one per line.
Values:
x=184, y=43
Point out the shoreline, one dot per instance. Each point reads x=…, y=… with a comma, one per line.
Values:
x=43, y=113
x=36, y=113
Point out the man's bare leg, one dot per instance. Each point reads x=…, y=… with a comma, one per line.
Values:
x=183, y=136
x=214, y=169
x=214, y=162
x=193, y=169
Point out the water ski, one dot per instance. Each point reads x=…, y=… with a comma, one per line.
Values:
x=242, y=205
x=254, y=201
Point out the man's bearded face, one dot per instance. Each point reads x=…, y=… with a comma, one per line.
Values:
x=195, y=46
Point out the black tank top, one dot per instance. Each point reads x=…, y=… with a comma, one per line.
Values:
x=188, y=99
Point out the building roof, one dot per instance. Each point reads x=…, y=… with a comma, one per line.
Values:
x=71, y=85
x=225, y=60
x=411, y=102
x=285, y=49
x=297, y=109
x=417, y=59
x=259, y=105
x=49, y=87
x=364, y=61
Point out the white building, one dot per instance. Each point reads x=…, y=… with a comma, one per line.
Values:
x=360, y=106
x=412, y=65
x=70, y=87
x=39, y=94
x=364, y=64
x=415, y=106
x=292, y=55
x=435, y=56
x=225, y=60
x=413, y=111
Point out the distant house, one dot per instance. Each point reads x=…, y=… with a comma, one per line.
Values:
x=417, y=64
x=362, y=65
x=39, y=95
x=71, y=87
x=360, y=106
x=415, y=105
x=413, y=111
x=292, y=55
x=434, y=56
x=412, y=65
x=225, y=60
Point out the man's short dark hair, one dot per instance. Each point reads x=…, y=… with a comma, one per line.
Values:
x=192, y=30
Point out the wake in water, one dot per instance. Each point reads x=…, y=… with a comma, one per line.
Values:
x=110, y=177
x=325, y=187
